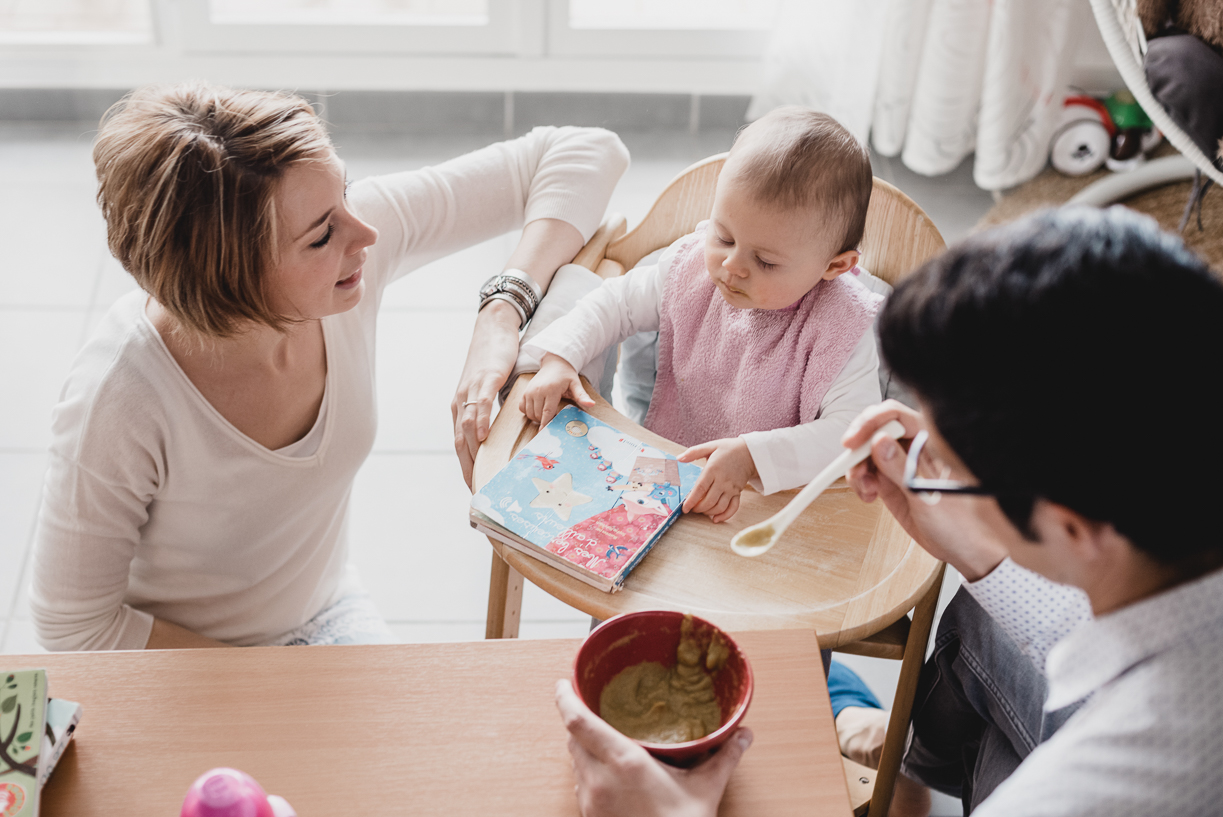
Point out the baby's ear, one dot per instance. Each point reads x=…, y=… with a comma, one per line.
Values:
x=841, y=264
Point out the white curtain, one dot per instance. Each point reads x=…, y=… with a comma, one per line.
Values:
x=931, y=80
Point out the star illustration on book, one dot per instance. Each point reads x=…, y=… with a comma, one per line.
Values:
x=558, y=495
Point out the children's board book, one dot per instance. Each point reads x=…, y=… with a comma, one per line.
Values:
x=62, y=718
x=584, y=497
x=23, y=719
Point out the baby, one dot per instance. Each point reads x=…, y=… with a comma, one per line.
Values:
x=765, y=352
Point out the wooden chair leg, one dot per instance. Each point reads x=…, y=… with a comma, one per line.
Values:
x=902, y=707
x=504, y=600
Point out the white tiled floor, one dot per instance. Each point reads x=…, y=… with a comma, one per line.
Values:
x=428, y=571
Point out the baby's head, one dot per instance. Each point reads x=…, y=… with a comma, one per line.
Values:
x=789, y=210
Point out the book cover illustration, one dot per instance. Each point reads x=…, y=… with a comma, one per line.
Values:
x=587, y=493
x=23, y=701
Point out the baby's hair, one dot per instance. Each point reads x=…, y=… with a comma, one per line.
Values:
x=795, y=157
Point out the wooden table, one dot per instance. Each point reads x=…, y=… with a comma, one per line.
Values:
x=410, y=729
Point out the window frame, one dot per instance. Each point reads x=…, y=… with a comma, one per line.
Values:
x=86, y=40
x=730, y=44
x=514, y=28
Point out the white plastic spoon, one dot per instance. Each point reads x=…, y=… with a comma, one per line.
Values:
x=760, y=538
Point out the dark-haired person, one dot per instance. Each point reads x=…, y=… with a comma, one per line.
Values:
x=206, y=441
x=1087, y=532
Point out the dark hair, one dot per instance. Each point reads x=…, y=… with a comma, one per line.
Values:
x=1064, y=356
x=796, y=157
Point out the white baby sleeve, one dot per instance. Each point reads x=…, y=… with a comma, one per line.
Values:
x=789, y=457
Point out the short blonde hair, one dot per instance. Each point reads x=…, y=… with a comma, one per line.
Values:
x=796, y=157
x=187, y=179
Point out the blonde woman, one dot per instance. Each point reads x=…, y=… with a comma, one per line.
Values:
x=207, y=438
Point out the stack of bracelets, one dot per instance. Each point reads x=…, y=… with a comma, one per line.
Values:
x=517, y=289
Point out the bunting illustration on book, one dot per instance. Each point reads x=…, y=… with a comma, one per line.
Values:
x=585, y=497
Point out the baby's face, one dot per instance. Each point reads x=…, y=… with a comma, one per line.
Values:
x=763, y=257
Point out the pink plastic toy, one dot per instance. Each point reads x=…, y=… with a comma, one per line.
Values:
x=230, y=793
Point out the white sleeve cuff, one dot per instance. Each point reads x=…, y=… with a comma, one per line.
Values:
x=568, y=286
x=135, y=631
x=765, y=481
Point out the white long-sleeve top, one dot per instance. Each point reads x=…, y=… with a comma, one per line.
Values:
x=784, y=457
x=156, y=506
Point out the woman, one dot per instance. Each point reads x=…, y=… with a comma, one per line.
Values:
x=208, y=435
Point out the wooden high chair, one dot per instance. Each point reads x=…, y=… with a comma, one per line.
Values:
x=845, y=569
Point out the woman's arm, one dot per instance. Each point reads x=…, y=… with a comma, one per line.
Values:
x=561, y=174
x=88, y=530
x=556, y=181
x=104, y=467
x=546, y=245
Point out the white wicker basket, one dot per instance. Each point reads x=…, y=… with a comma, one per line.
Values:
x=1122, y=32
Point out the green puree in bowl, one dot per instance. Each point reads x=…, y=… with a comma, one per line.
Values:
x=651, y=703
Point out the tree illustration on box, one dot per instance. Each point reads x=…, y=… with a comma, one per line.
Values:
x=11, y=743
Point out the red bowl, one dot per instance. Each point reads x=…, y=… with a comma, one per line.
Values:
x=653, y=635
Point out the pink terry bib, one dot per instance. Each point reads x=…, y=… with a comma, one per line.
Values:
x=724, y=371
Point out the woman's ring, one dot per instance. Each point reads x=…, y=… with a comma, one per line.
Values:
x=470, y=403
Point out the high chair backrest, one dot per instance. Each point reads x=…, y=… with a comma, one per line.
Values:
x=899, y=235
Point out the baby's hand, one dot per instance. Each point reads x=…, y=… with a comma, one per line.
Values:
x=556, y=379
x=716, y=493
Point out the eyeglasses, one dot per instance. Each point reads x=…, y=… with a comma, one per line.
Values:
x=933, y=482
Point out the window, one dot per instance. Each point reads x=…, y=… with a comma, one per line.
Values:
x=358, y=27
x=75, y=22
x=663, y=46
x=351, y=12
x=671, y=14
x=735, y=29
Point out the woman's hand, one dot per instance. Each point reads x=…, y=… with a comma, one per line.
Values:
x=959, y=530
x=618, y=778
x=490, y=359
x=717, y=490
x=555, y=380
x=546, y=244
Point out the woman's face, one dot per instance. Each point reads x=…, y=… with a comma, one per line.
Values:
x=322, y=243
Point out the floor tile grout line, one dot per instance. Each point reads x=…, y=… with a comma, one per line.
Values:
x=82, y=336
x=93, y=297
x=25, y=560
